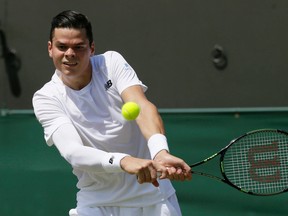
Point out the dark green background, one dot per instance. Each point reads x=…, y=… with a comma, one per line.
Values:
x=35, y=180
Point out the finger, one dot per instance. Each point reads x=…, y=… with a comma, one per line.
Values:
x=140, y=178
x=171, y=170
x=180, y=173
x=176, y=176
x=188, y=175
x=147, y=174
x=171, y=173
x=150, y=174
x=187, y=172
x=176, y=173
x=154, y=174
x=163, y=173
x=155, y=183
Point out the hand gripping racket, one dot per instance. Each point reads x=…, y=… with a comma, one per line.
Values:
x=255, y=163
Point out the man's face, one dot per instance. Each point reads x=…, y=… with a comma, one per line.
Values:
x=70, y=51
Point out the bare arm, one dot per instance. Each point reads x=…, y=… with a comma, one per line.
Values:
x=149, y=119
x=150, y=123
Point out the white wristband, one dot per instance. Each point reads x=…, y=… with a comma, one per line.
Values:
x=111, y=163
x=156, y=143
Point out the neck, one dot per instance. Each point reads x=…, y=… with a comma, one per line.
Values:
x=76, y=82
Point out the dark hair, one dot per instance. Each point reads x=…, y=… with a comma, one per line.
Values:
x=72, y=19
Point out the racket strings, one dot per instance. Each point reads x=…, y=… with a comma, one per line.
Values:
x=258, y=162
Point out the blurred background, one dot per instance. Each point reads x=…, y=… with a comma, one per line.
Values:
x=216, y=69
x=191, y=53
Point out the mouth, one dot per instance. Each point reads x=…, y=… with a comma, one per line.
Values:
x=70, y=64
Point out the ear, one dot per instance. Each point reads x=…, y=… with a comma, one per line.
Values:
x=92, y=47
x=50, y=48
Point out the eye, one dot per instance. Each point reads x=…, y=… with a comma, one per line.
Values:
x=80, y=47
x=62, y=47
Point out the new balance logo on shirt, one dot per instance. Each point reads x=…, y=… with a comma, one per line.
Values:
x=111, y=160
x=108, y=84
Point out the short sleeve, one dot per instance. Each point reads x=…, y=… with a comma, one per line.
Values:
x=123, y=75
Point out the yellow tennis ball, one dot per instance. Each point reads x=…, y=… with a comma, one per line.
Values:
x=130, y=110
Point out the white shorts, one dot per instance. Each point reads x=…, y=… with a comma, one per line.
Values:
x=169, y=207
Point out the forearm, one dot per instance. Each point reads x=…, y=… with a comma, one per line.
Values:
x=70, y=146
x=149, y=120
x=151, y=126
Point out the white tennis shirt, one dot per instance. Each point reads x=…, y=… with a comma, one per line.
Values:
x=95, y=112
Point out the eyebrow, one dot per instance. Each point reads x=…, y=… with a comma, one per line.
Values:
x=63, y=43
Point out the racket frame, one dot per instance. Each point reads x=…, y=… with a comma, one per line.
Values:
x=221, y=164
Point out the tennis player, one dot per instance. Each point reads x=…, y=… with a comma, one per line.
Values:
x=116, y=161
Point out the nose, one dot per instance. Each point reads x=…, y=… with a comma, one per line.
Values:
x=70, y=53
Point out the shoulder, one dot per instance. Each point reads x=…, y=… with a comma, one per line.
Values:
x=112, y=54
x=109, y=63
x=106, y=57
x=50, y=90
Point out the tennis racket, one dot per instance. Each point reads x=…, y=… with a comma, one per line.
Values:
x=255, y=163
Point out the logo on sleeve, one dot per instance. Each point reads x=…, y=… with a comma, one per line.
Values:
x=111, y=160
x=108, y=84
